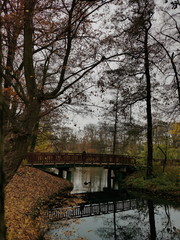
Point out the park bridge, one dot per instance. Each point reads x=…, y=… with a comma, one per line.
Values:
x=57, y=159
x=118, y=166
x=78, y=159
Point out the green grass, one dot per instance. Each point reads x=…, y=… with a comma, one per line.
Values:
x=168, y=182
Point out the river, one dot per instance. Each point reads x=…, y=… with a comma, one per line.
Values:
x=114, y=215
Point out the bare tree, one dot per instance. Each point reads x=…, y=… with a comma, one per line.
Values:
x=138, y=37
x=137, y=28
x=40, y=44
x=168, y=40
x=45, y=54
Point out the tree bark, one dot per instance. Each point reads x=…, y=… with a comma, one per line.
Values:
x=2, y=186
x=115, y=125
x=149, y=172
x=2, y=182
x=17, y=143
x=34, y=138
x=28, y=48
x=165, y=156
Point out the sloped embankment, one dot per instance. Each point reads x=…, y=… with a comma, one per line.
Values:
x=164, y=184
x=25, y=197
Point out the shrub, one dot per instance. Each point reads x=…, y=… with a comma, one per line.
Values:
x=162, y=181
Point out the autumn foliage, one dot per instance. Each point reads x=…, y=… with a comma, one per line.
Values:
x=25, y=197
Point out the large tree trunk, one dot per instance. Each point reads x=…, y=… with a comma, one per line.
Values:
x=20, y=129
x=18, y=140
x=2, y=185
x=34, y=138
x=13, y=149
x=2, y=194
x=2, y=182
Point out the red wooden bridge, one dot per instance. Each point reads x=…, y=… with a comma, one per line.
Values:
x=39, y=159
x=78, y=159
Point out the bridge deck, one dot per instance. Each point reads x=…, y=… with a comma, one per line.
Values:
x=87, y=159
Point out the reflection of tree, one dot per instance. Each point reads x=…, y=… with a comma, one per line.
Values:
x=151, y=220
x=123, y=226
x=139, y=224
x=168, y=231
x=128, y=225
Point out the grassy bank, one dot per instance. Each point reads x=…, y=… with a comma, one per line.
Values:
x=26, y=197
x=165, y=183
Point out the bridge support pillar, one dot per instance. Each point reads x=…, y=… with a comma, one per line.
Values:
x=115, y=177
x=119, y=175
x=60, y=172
x=109, y=178
x=69, y=175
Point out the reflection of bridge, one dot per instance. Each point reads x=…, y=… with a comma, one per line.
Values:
x=77, y=159
x=88, y=210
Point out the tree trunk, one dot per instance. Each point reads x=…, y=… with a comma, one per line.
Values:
x=115, y=125
x=149, y=173
x=2, y=192
x=165, y=156
x=17, y=143
x=19, y=134
x=34, y=138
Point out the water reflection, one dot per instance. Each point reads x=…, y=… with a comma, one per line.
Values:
x=86, y=179
x=150, y=221
x=152, y=224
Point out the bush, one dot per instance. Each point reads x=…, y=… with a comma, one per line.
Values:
x=162, y=181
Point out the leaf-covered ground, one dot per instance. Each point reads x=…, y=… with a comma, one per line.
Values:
x=26, y=195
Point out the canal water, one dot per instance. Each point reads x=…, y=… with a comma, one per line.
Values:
x=133, y=217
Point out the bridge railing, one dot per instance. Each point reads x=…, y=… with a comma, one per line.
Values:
x=78, y=158
x=56, y=158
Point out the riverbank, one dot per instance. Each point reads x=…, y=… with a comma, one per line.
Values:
x=27, y=196
x=164, y=184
